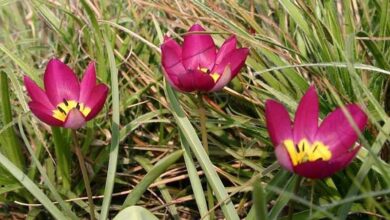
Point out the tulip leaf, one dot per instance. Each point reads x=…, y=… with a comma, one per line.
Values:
x=259, y=200
x=150, y=177
x=46, y=179
x=31, y=187
x=11, y=146
x=145, y=163
x=135, y=213
x=63, y=156
x=192, y=139
x=194, y=179
x=114, y=149
x=284, y=198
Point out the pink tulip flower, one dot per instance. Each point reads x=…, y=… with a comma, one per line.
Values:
x=308, y=149
x=197, y=65
x=66, y=102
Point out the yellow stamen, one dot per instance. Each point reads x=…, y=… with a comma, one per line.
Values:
x=215, y=76
x=305, y=151
x=203, y=69
x=62, y=109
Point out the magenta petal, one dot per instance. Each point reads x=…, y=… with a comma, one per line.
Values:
x=44, y=113
x=198, y=49
x=75, y=119
x=235, y=59
x=223, y=80
x=306, y=117
x=173, y=80
x=278, y=122
x=96, y=100
x=60, y=82
x=170, y=55
x=336, y=131
x=171, y=61
x=283, y=157
x=36, y=93
x=322, y=169
x=227, y=47
x=195, y=80
x=88, y=82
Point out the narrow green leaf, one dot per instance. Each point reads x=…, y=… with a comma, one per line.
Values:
x=343, y=211
x=63, y=156
x=45, y=178
x=259, y=200
x=114, y=149
x=296, y=15
x=201, y=155
x=31, y=187
x=135, y=213
x=194, y=179
x=150, y=177
x=145, y=163
x=11, y=146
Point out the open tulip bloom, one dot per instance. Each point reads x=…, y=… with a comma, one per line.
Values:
x=66, y=102
x=197, y=65
x=309, y=150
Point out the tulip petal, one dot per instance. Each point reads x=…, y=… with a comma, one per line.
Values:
x=74, y=120
x=223, y=80
x=278, y=122
x=283, y=157
x=336, y=131
x=235, y=59
x=195, y=80
x=227, y=47
x=96, y=100
x=43, y=113
x=88, y=82
x=170, y=54
x=321, y=169
x=36, y=93
x=171, y=61
x=60, y=82
x=198, y=49
x=306, y=117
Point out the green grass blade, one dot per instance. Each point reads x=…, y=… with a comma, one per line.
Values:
x=296, y=15
x=11, y=147
x=135, y=213
x=24, y=66
x=283, y=198
x=150, y=177
x=63, y=156
x=201, y=155
x=46, y=179
x=194, y=179
x=259, y=200
x=114, y=149
x=343, y=211
x=145, y=163
x=31, y=187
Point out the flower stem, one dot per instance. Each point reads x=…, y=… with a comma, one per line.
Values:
x=291, y=205
x=313, y=184
x=80, y=158
x=202, y=119
x=203, y=131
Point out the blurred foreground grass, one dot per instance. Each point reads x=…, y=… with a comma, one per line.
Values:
x=341, y=46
